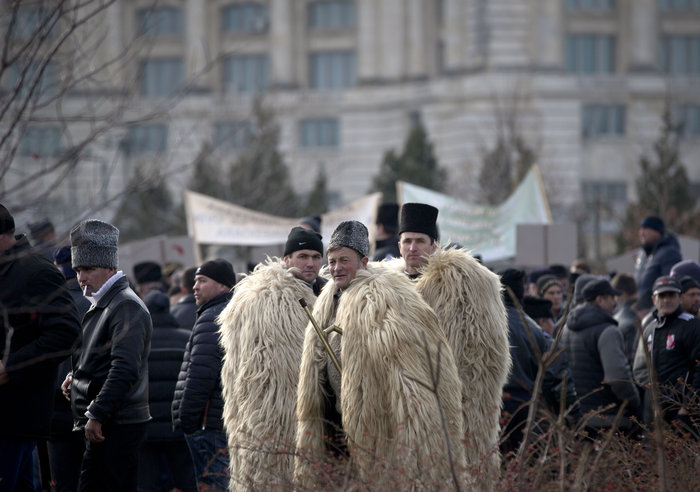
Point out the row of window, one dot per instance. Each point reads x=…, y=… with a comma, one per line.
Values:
x=597, y=121
x=662, y=5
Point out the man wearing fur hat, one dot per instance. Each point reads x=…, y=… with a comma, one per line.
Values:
x=262, y=332
x=197, y=404
x=39, y=327
x=387, y=403
x=108, y=388
x=466, y=297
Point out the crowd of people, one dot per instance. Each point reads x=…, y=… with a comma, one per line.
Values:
x=421, y=359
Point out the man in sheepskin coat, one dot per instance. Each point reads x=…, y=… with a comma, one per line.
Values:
x=398, y=397
x=466, y=297
x=262, y=332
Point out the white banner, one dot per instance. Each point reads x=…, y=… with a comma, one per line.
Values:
x=213, y=221
x=488, y=231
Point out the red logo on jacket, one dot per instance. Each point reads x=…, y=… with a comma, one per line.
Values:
x=670, y=342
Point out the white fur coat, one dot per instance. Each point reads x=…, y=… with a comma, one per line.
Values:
x=262, y=333
x=393, y=423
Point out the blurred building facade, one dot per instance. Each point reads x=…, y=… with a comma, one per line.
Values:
x=585, y=83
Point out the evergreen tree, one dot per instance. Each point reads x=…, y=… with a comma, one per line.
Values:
x=259, y=179
x=662, y=189
x=317, y=203
x=148, y=209
x=206, y=177
x=417, y=164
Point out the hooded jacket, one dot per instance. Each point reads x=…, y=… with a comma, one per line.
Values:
x=599, y=366
x=466, y=296
x=262, y=333
x=391, y=340
x=653, y=261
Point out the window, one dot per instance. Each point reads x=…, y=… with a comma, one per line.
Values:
x=146, y=139
x=232, y=134
x=161, y=76
x=688, y=115
x=46, y=86
x=603, y=200
x=33, y=22
x=161, y=21
x=589, y=54
x=600, y=120
x=678, y=5
x=319, y=132
x=245, y=18
x=679, y=55
x=590, y=4
x=246, y=73
x=333, y=70
x=336, y=14
x=40, y=141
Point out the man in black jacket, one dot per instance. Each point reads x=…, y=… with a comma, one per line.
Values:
x=109, y=385
x=38, y=328
x=198, y=405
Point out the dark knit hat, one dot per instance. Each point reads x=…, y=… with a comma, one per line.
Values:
x=313, y=221
x=39, y=228
x=545, y=282
x=653, y=222
x=388, y=215
x=147, y=271
x=580, y=284
x=535, y=274
x=7, y=222
x=419, y=217
x=219, y=270
x=599, y=287
x=94, y=244
x=300, y=238
x=537, y=308
x=666, y=283
x=686, y=268
x=61, y=257
x=351, y=234
x=688, y=283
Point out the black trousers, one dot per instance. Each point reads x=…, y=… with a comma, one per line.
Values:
x=112, y=465
x=165, y=466
x=65, y=456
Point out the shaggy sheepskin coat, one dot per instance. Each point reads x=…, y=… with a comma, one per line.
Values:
x=262, y=333
x=391, y=419
x=466, y=296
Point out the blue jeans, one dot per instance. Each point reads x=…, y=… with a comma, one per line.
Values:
x=17, y=465
x=210, y=458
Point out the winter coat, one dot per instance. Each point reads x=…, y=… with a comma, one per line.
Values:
x=167, y=350
x=262, y=332
x=46, y=330
x=675, y=355
x=598, y=363
x=198, y=403
x=653, y=261
x=185, y=311
x=110, y=373
x=466, y=296
x=627, y=322
x=391, y=340
x=386, y=249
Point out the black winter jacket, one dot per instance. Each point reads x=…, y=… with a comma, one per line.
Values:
x=45, y=330
x=598, y=363
x=675, y=354
x=653, y=261
x=185, y=311
x=167, y=350
x=198, y=402
x=110, y=373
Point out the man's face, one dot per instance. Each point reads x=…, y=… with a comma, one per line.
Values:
x=415, y=247
x=690, y=301
x=647, y=235
x=6, y=241
x=666, y=302
x=344, y=264
x=91, y=279
x=206, y=289
x=307, y=261
x=607, y=302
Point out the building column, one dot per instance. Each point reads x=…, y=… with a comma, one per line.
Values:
x=642, y=39
x=392, y=39
x=418, y=20
x=367, y=41
x=195, y=37
x=549, y=35
x=455, y=35
x=282, y=55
